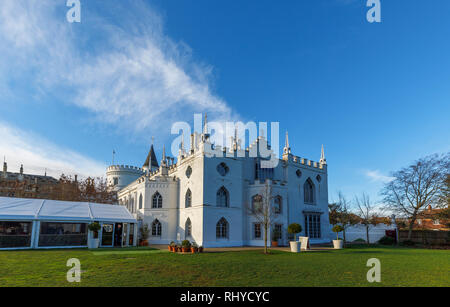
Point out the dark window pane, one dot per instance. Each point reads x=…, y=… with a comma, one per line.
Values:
x=15, y=234
x=62, y=234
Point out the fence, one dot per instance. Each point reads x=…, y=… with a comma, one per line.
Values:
x=359, y=232
x=427, y=237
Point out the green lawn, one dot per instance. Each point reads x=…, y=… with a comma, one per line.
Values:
x=147, y=267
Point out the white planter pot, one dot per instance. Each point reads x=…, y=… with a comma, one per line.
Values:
x=93, y=243
x=338, y=244
x=295, y=247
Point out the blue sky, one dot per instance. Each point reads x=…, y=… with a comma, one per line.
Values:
x=376, y=95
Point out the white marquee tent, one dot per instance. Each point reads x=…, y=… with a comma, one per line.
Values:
x=38, y=223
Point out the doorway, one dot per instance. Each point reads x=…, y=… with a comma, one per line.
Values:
x=118, y=230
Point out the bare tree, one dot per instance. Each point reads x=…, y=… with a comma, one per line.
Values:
x=344, y=216
x=367, y=212
x=262, y=210
x=89, y=190
x=418, y=186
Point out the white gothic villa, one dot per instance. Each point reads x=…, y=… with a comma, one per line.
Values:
x=206, y=199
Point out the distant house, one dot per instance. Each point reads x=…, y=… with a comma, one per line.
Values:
x=25, y=185
x=430, y=219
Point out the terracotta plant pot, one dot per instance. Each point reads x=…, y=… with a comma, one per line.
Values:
x=194, y=250
x=144, y=243
x=274, y=243
x=169, y=248
x=185, y=249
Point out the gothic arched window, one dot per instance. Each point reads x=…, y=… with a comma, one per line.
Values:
x=308, y=189
x=156, y=228
x=188, y=199
x=277, y=204
x=188, y=228
x=222, y=198
x=157, y=200
x=257, y=203
x=222, y=229
x=140, y=201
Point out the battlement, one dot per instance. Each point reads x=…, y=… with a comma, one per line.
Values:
x=125, y=168
x=307, y=162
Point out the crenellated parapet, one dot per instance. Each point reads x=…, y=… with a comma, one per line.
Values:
x=125, y=168
x=306, y=162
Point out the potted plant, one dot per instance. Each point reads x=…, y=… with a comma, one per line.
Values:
x=186, y=246
x=338, y=244
x=144, y=232
x=94, y=228
x=178, y=249
x=200, y=249
x=275, y=236
x=194, y=248
x=294, y=229
x=171, y=245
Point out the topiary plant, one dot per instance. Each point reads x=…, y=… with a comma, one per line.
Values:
x=337, y=229
x=294, y=228
x=95, y=228
x=186, y=244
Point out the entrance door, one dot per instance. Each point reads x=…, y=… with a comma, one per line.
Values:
x=124, y=235
x=131, y=236
x=107, y=234
x=118, y=235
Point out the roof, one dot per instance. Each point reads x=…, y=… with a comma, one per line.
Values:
x=17, y=176
x=151, y=155
x=54, y=210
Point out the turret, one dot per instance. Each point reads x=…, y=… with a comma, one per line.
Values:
x=163, y=168
x=287, y=149
x=323, y=160
x=119, y=176
x=5, y=169
x=151, y=163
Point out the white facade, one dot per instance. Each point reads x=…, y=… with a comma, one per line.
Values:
x=221, y=190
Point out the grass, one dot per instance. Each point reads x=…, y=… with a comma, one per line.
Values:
x=150, y=267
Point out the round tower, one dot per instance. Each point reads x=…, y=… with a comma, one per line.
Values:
x=119, y=176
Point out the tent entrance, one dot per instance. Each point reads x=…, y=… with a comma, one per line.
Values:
x=118, y=231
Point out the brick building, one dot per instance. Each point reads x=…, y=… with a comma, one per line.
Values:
x=25, y=185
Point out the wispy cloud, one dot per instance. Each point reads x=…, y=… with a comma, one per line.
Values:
x=38, y=154
x=377, y=176
x=118, y=64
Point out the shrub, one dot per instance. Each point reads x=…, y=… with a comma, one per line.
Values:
x=359, y=240
x=275, y=235
x=95, y=228
x=408, y=243
x=337, y=229
x=186, y=244
x=144, y=231
x=294, y=228
x=386, y=241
